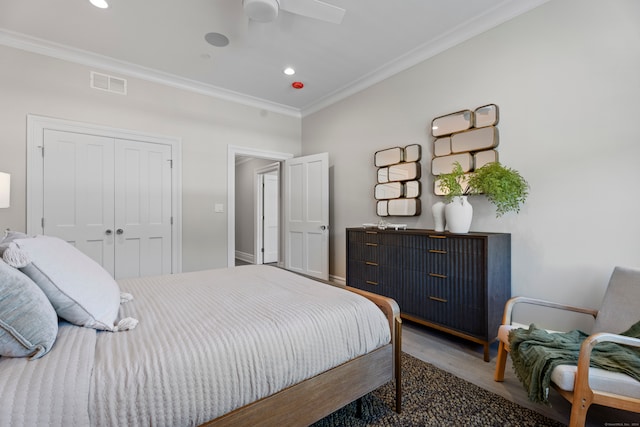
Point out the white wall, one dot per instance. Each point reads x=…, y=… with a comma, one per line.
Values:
x=35, y=84
x=565, y=77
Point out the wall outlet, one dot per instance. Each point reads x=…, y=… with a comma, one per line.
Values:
x=219, y=208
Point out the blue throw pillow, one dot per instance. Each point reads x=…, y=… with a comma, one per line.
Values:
x=28, y=322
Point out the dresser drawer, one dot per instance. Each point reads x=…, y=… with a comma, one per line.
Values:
x=363, y=251
x=443, y=263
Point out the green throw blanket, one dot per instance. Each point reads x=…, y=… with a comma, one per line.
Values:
x=536, y=352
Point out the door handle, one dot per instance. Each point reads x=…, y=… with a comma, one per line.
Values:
x=119, y=231
x=108, y=232
x=324, y=227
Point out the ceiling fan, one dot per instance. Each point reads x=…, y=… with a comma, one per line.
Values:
x=267, y=10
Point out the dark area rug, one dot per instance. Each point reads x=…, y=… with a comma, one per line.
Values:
x=433, y=397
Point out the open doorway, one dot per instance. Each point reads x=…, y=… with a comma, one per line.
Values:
x=241, y=238
x=254, y=205
x=305, y=206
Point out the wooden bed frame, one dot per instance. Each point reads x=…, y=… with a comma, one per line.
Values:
x=315, y=398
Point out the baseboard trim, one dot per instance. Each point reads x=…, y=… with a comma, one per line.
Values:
x=337, y=279
x=246, y=257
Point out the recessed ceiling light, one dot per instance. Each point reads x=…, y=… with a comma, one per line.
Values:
x=102, y=4
x=289, y=71
x=216, y=39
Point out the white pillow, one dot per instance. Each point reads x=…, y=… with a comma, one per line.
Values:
x=10, y=236
x=80, y=290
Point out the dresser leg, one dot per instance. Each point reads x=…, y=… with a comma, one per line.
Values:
x=486, y=352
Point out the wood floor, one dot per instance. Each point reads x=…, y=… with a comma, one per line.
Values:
x=465, y=360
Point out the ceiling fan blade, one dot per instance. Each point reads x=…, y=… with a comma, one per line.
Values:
x=315, y=9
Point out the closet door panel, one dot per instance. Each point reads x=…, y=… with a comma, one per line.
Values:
x=78, y=200
x=143, y=208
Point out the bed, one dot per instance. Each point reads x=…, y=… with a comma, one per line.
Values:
x=238, y=346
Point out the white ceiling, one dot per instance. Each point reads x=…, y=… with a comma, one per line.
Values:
x=163, y=41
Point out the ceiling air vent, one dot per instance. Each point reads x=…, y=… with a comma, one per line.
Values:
x=108, y=83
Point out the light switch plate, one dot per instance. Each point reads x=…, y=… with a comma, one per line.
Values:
x=219, y=207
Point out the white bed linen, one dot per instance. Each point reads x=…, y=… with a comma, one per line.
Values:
x=52, y=390
x=209, y=342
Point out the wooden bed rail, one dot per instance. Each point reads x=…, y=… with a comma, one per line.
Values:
x=391, y=309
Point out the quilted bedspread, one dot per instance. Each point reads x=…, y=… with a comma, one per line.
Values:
x=207, y=343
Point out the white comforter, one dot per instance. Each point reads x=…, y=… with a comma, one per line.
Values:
x=207, y=343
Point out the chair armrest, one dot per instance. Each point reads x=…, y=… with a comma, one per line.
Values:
x=584, y=357
x=508, y=308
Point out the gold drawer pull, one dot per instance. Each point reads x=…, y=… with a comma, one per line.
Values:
x=437, y=251
x=435, y=236
x=371, y=244
x=371, y=263
x=369, y=282
x=438, y=299
x=442, y=276
x=371, y=232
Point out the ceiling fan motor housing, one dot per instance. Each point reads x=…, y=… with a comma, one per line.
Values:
x=261, y=10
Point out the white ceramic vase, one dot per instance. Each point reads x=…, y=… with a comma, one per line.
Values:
x=458, y=215
x=438, y=215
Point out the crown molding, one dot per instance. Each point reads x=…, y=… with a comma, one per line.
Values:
x=503, y=12
x=491, y=18
x=90, y=59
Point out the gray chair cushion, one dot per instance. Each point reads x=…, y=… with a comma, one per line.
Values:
x=28, y=322
x=564, y=376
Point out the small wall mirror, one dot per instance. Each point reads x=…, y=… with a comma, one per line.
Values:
x=404, y=171
x=404, y=207
x=412, y=153
x=382, y=208
x=412, y=189
x=445, y=164
x=481, y=158
x=387, y=157
x=487, y=115
x=392, y=190
x=455, y=122
x=442, y=146
x=474, y=140
x=383, y=175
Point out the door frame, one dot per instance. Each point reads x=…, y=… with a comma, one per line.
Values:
x=232, y=152
x=35, y=136
x=258, y=237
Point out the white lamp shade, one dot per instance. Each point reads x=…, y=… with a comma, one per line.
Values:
x=5, y=189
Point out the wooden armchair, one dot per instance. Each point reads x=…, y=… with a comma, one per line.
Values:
x=583, y=385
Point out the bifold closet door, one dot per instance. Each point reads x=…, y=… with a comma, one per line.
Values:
x=78, y=202
x=111, y=198
x=143, y=209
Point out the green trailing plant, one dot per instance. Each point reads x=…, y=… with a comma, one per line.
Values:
x=503, y=186
x=451, y=184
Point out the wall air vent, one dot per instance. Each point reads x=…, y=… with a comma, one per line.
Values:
x=108, y=83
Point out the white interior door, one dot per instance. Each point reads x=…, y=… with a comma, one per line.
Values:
x=306, y=208
x=270, y=217
x=78, y=204
x=143, y=209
